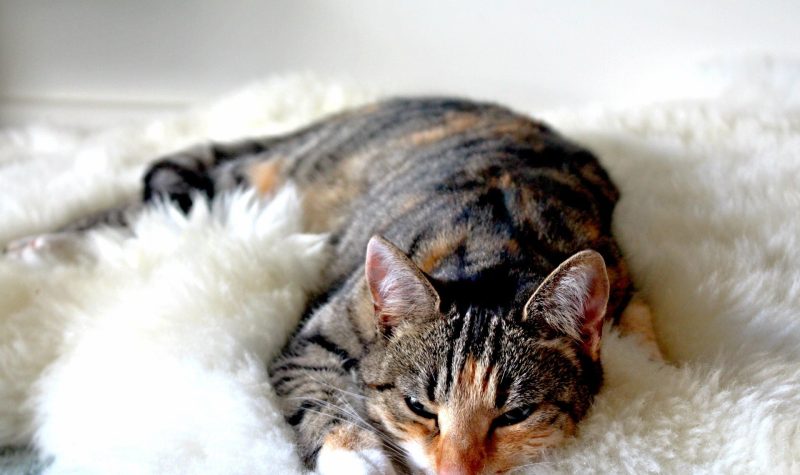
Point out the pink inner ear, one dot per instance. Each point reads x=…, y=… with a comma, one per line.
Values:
x=375, y=273
x=594, y=309
x=572, y=300
x=377, y=270
x=399, y=289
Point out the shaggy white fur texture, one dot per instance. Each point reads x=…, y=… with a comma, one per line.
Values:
x=151, y=358
x=179, y=319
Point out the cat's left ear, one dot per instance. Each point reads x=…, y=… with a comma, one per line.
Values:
x=400, y=291
x=572, y=300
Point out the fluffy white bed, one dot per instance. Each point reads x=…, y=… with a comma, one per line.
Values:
x=146, y=355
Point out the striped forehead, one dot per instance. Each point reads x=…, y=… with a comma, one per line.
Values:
x=471, y=359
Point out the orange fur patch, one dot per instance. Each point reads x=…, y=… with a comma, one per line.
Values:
x=455, y=123
x=440, y=247
x=323, y=205
x=264, y=176
x=350, y=438
x=525, y=438
x=563, y=346
x=465, y=424
x=513, y=246
x=416, y=430
x=637, y=320
x=521, y=130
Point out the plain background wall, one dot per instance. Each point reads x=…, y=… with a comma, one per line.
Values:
x=75, y=58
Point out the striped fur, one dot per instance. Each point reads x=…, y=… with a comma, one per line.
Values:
x=482, y=205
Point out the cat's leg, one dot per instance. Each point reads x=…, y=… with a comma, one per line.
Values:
x=637, y=321
x=179, y=177
x=44, y=248
x=203, y=169
x=323, y=404
x=69, y=242
x=351, y=450
x=174, y=177
x=321, y=397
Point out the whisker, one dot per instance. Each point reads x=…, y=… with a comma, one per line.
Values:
x=390, y=447
x=344, y=407
x=530, y=465
x=336, y=388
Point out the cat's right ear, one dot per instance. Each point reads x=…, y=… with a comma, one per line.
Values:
x=572, y=301
x=400, y=291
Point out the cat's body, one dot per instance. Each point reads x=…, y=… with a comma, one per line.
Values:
x=444, y=346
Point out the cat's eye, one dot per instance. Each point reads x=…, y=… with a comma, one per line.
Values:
x=514, y=416
x=418, y=408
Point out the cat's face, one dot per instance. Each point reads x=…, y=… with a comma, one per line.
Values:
x=476, y=392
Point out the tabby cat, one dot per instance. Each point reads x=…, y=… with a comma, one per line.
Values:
x=473, y=267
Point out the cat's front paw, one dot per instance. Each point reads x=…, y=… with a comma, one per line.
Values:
x=341, y=461
x=350, y=451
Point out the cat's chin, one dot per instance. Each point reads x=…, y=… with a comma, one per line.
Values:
x=417, y=459
x=342, y=461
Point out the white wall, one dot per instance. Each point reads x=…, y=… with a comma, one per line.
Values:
x=138, y=56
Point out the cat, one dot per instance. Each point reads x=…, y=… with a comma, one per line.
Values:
x=473, y=267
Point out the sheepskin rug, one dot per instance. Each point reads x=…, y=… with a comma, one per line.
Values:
x=145, y=353
x=155, y=353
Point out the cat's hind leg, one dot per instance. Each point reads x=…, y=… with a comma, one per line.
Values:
x=44, y=248
x=178, y=178
x=175, y=178
x=637, y=321
x=69, y=243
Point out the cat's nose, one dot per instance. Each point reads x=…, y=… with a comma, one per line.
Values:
x=460, y=461
x=461, y=446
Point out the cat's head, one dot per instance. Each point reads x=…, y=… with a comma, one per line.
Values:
x=473, y=391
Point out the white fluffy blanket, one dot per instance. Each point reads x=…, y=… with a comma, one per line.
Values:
x=150, y=357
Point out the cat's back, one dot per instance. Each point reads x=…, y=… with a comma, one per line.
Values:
x=467, y=189
x=409, y=146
